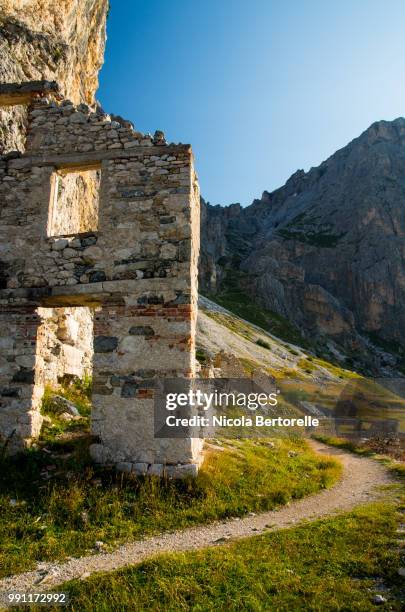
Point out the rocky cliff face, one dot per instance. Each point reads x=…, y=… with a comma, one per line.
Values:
x=60, y=40
x=327, y=250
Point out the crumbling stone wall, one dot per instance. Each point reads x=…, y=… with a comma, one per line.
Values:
x=138, y=270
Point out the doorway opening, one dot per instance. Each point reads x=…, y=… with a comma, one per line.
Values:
x=63, y=366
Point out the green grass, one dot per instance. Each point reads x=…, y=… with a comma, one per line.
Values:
x=344, y=445
x=309, y=364
x=54, y=502
x=336, y=564
x=372, y=449
x=79, y=393
x=201, y=356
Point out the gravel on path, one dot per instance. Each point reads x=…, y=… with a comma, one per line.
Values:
x=360, y=483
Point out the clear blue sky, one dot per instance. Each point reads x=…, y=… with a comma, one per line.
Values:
x=259, y=88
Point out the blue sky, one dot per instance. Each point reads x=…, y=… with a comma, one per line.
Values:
x=259, y=88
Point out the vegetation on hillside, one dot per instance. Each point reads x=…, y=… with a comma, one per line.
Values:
x=364, y=405
x=234, y=296
x=388, y=450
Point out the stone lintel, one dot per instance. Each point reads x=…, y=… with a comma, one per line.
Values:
x=89, y=294
x=23, y=93
x=92, y=159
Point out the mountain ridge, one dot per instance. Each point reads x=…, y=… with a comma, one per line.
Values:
x=327, y=249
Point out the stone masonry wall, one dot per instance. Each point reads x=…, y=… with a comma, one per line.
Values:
x=20, y=399
x=139, y=270
x=141, y=210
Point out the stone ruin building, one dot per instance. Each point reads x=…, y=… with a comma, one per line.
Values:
x=99, y=239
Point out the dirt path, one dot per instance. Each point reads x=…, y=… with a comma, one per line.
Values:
x=361, y=478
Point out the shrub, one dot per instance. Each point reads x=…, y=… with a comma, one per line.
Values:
x=263, y=343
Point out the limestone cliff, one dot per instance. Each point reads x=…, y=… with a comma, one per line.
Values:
x=60, y=40
x=326, y=250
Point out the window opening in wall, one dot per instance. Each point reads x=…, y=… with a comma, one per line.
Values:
x=74, y=201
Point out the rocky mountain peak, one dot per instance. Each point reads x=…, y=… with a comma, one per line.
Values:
x=326, y=250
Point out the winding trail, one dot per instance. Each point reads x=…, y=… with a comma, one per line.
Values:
x=359, y=484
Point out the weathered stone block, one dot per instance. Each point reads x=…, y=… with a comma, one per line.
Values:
x=60, y=244
x=141, y=330
x=156, y=469
x=124, y=466
x=24, y=375
x=182, y=471
x=140, y=469
x=129, y=389
x=105, y=344
x=97, y=277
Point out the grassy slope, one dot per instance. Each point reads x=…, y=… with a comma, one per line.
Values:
x=235, y=299
x=334, y=564
x=54, y=502
x=299, y=374
x=283, y=352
